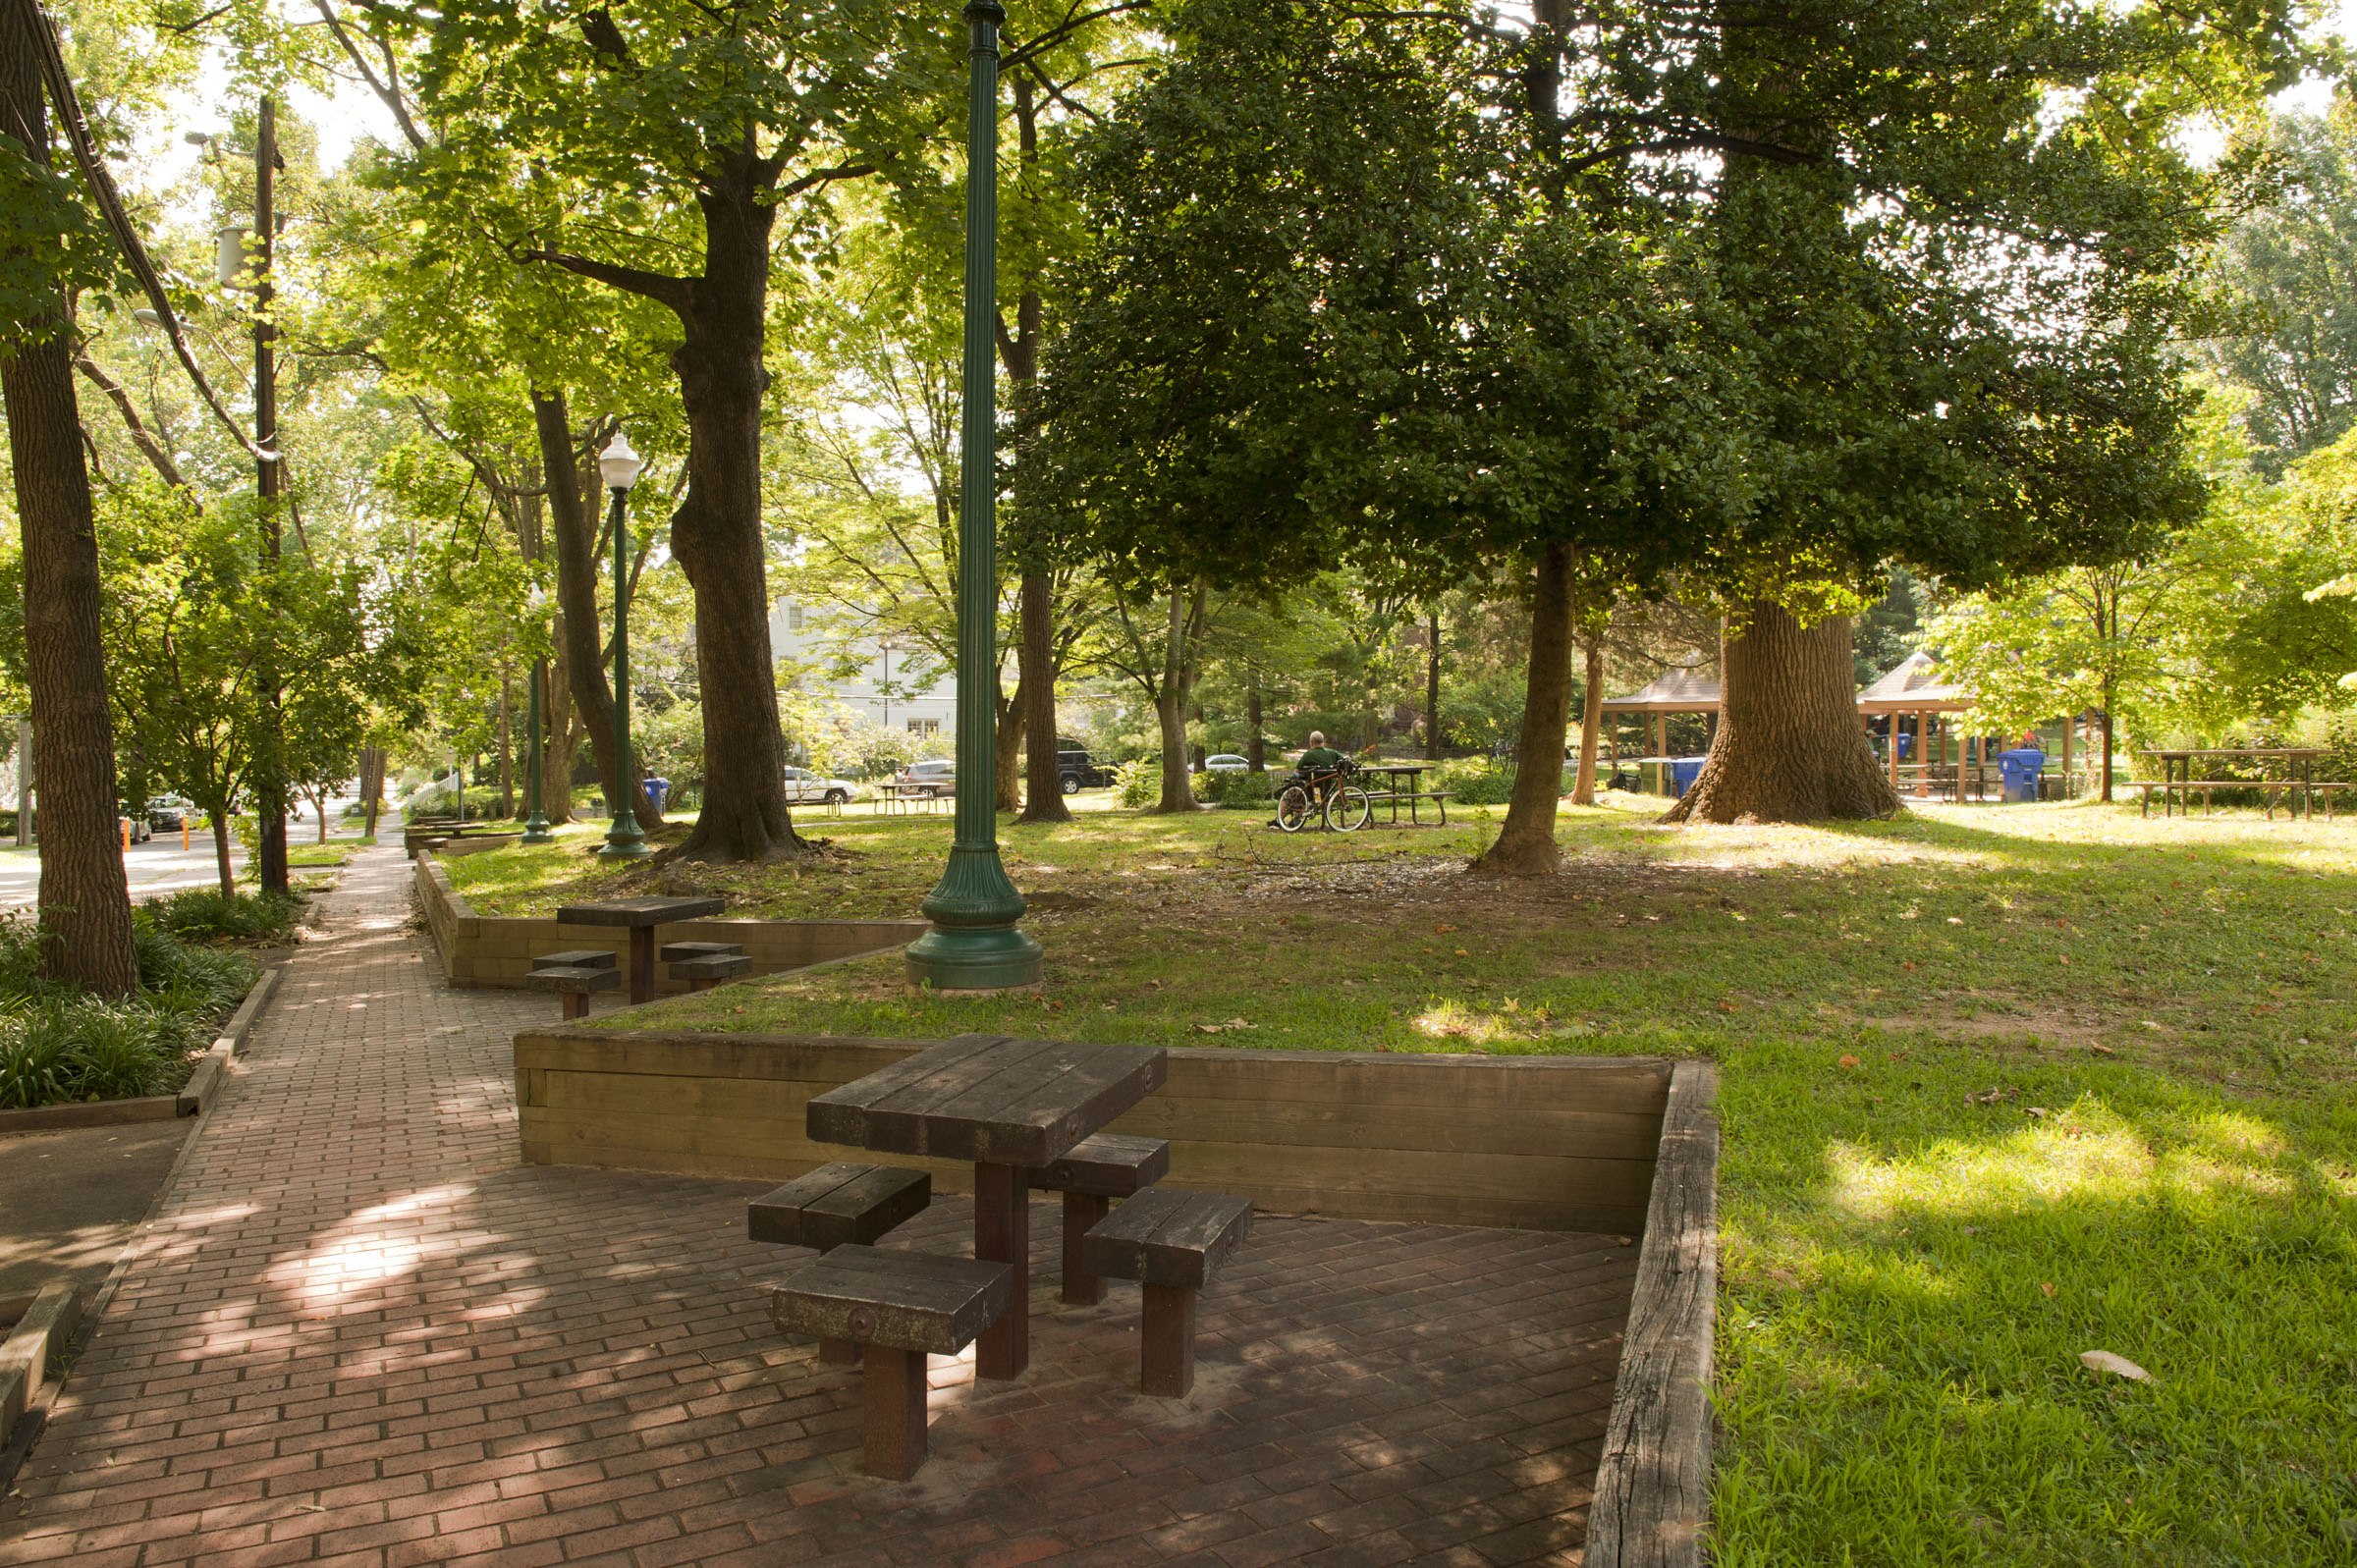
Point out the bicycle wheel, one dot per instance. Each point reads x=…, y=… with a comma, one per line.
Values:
x=1349, y=807
x=1293, y=809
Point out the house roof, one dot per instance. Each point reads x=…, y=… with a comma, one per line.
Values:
x=1672, y=691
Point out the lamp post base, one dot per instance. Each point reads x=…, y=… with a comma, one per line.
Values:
x=535, y=830
x=624, y=841
x=959, y=960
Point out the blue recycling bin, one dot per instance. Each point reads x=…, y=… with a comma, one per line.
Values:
x=2021, y=768
x=658, y=791
x=1683, y=771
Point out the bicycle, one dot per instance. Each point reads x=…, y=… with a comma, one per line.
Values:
x=1328, y=797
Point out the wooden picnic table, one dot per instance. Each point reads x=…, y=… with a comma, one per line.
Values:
x=641, y=916
x=1403, y=782
x=902, y=798
x=2176, y=774
x=1007, y=1105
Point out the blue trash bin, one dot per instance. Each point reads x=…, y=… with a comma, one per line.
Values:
x=658, y=791
x=2021, y=768
x=1683, y=771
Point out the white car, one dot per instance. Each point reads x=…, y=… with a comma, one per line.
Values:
x=804, y=786
x=1227, y=762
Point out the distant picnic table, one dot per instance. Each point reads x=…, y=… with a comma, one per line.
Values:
x=1403, y=782
x=2298, y=778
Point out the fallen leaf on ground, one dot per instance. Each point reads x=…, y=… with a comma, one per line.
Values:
x=1726, y=1007
x=1461, y=953
x=2049, y=1288
x=2122, y=1365
x=1851, y=1062
x=1439, y=929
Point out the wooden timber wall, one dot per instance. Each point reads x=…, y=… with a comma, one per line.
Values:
x=1548, y=1142
x=498, y=950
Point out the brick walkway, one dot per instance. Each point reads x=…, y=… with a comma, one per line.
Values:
x=362, y=1334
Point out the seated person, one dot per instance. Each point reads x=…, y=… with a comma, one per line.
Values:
x=1320, y=760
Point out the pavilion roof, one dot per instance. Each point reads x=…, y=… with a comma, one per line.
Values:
x=1672, y=691
x=1913, y=684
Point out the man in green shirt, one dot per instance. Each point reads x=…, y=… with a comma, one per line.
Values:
x=1320, y=757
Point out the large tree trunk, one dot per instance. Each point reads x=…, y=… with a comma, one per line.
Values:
x=1591, y=720
x=1170, y=710
x=556, y=738
x=229, y=880
x=1432, y=689
x=1789, y=747
x=572, y=519
x=716, y=532
x=1525, y=846
x=85, y=900
x=1256, y=748
x=1043, y=775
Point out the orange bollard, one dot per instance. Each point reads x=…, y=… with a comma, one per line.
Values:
x=184, y=831
x=125, y=824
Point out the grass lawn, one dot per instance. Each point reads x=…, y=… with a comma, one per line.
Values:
x=1999, y=1086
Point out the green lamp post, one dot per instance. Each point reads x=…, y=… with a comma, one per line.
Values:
x=976, y=944
x=535, y=827
x=618, y=466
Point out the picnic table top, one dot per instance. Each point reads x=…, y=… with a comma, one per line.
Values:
x=2181, y=754
x=637, y=912
x=989, y=1098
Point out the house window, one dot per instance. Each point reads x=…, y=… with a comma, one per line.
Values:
x=794, y=618
x=924, y=726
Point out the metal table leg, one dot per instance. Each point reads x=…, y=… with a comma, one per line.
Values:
x=642, y=964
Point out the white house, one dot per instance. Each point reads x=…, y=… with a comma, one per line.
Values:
x=898, y=688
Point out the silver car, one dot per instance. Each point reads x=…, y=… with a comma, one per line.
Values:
x=802, y=787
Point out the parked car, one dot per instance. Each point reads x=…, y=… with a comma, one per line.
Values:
x=805, y=784
x=167, y=813
x=940, y=778
x=1078, y=771
x=1227, y=762
x=135, y=827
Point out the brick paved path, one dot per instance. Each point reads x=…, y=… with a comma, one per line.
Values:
x=362, y=1334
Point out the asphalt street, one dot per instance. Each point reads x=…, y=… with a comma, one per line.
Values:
x=155, y=868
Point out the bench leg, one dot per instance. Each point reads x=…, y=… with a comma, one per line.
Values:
x=701, y=983
x=1081, y=1211
x=1167, y=1342
x=838, y=1352
x=896, y=1411
x=576, y=1005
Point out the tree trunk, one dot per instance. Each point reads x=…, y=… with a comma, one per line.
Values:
x=1169, y=711
x=556, y=737
x=85, y=900
x=1525, y=846
x=319, y=804
x=716, y=533
x=1256, y=752
x=372, y=788
x=506, y=746
x=2108, y=740
x=1432, y=689
x=1789, y=747
x=229, y=881
x=1006, y=758
x=1591, y=720
x=572, y=517
x=1043, y=773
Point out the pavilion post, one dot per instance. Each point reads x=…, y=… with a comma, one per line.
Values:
x=2070, y=721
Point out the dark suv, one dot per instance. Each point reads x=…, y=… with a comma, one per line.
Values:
x=1079, y=771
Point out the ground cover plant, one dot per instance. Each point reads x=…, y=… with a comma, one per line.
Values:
x=1999, y=1086
x=59, y=1045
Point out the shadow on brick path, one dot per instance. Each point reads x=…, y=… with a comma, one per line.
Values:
x=362, y=1332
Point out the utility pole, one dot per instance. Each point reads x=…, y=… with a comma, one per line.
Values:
x=272, y=799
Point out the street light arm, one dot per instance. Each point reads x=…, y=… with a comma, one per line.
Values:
x=676, y=292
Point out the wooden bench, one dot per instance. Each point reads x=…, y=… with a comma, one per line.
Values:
x=899, y=1308
x=689, y=952
x=575, y=982
x=703, y=974
x=576, y=958
x=1095, y=1171
x=1391, y=797
x=1172, y=1243
x=839, y=1204
x=2273, y=788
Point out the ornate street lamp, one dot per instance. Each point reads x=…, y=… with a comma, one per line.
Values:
x=974, y=943
x=535, y=827
x=618, y=466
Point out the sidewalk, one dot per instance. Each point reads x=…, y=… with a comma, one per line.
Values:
x=362, y=1333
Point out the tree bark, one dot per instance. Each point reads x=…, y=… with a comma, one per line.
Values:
x=1789, y=747
x=1043, y=775
x=1007, y=757
x=1525, y=846
x=229, y=881
x=572, y=519
x=84, y=898
x=2107, y=739
x=556, y=737
x=1170, y=708
x=1256, y=751
x=716, y=531
x=507, y=744
x=1591, y=720
x=1432, y=687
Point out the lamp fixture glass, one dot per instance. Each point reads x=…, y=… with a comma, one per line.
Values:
x=618, y=466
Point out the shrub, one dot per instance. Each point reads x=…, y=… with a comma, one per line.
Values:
x=1137, y=785
x=69, y=1047
x=1475, y=782
x=1237, y=791
x=206, y=914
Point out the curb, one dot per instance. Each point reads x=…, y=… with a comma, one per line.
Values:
x=190, y=1101
x=38, y=1340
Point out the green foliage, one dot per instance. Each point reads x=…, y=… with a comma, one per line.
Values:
x=1137, y=783
x=1475, y=781
x=59, y=1046
x=1234, y=791
x=206, y=914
